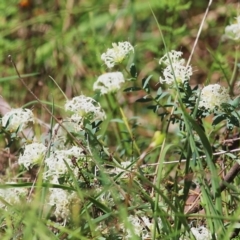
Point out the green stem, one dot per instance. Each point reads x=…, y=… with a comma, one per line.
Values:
x=129, y=131
x=232, y=80
x=115, y=126
x=121, y=129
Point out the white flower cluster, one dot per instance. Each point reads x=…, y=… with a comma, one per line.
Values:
x=201, y=233
x=105, y=197
x=172, y=57
x=140, y=227
x=109, y=82
x=136, y=227
x=17, y=119
x=116, y=54
x=59, y=136
x=212, y=96
x=12, y=195
x=233, y=31
x=118, y=170
x=57, y=162
x=175, y=68
x=85, y=107
x=61, y=200
x=33, y=154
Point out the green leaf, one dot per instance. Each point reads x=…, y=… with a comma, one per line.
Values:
x=16, y=77
x=103, y=207
x=202, y=135
x=218, y=119
x=159, y=91
x=145, y=83
x=169, y=105
x=234, y=120
x=144, y=99
x=132, y=89
x=161, y=96
x=133, y=70
x=230, y=155
x=236, y=102
x=153, y=107
x=117, y=120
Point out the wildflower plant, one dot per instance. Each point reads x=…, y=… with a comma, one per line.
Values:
x=60, y=161
x=117, y=53
x=83, y=107
x=109, y=82
x=233, y=31
x=12, y=195
x=212, y=97
x=92, y=178
x=17, y=119
x=175, y=68
x=33, y=154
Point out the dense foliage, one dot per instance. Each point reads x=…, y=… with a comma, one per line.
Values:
x=127, y=122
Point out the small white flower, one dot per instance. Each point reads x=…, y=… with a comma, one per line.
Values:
x=212, y=96
x=181, y=74
x=12, y=195
x=175, y=68
x=146, y=222
x=59, y=199
x=57, y=161
x=109, y=82
x=60, y=135
x=126, y=164
x=136, y=227
x=33, y=154
x=17, y=119
x=106, y=197
x=117, y=170
x=139, y=227
x=75, y=151
x=172, y=57
x=62, y=201
x=85, y=107
x=201, y=233
x=116, y=54
x=233, y=31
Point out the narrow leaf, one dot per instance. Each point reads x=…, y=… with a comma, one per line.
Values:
x=132, y=89
x=144, y=100
x=145, y=83
x=133, y=70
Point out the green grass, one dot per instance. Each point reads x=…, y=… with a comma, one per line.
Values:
x=57, y=49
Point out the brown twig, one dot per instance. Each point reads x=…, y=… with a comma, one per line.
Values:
x=233, y=172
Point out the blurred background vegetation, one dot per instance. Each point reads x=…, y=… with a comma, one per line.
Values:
x=64, y=39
